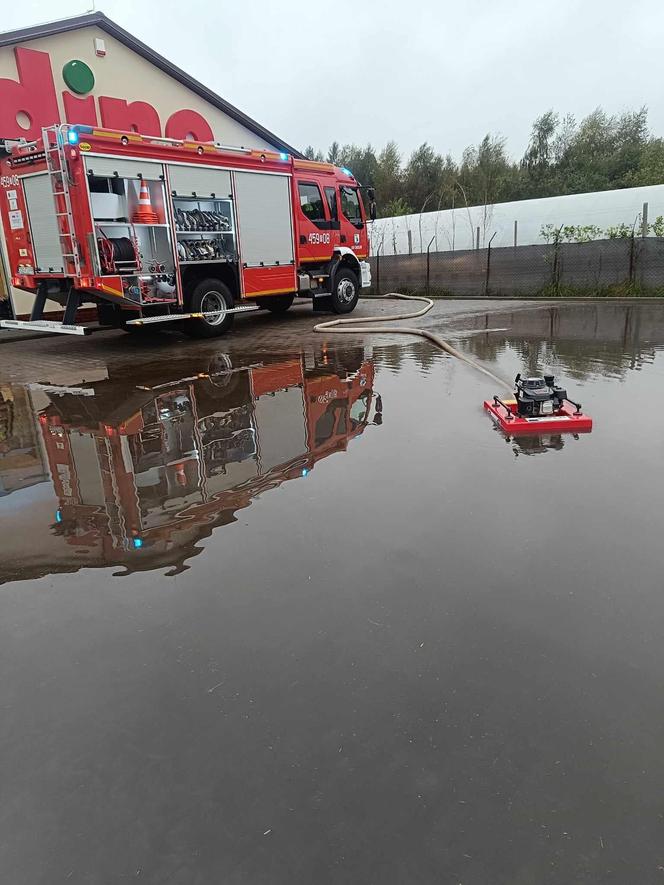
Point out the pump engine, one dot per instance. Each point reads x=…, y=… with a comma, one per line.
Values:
x=536, y=397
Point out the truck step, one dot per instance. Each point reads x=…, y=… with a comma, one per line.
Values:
x=170, y=317
x=44, y=326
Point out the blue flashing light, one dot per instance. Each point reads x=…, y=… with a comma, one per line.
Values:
x=346, y=171
x=72, y=136
x=138, y=543
x=283, y=156
x=305, y=471
x=58, y=516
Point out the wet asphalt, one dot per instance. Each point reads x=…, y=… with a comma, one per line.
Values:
x=288, y=608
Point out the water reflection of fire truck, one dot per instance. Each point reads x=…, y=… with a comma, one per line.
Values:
x=157, y=470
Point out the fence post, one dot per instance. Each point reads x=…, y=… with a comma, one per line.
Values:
x=644, y=220
x=428, y=264
x=378, y=270
x=632, y=259
x=477, y=246
x=488, y=264
x=410, y=242
x=556, y=261
x=516, y=228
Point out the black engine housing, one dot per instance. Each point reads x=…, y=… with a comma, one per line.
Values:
x=538, y=396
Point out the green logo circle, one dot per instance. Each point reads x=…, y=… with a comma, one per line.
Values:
x=78, y=76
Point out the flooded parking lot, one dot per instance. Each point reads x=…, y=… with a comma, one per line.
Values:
x=288, y=608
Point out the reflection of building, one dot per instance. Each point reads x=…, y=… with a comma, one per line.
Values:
x=20, y=456
x=142, y=474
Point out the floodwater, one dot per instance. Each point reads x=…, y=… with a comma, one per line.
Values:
x=306, y=616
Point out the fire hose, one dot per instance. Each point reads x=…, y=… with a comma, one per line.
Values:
x=114, y=250
x=352, y=326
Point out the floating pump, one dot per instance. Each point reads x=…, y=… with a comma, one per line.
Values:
x=539, y=406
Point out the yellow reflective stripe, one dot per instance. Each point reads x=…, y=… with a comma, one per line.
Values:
x=269, y=292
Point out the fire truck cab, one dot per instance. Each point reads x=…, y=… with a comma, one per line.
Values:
x=151, y=230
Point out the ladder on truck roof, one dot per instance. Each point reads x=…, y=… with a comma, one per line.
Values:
x=56, y=163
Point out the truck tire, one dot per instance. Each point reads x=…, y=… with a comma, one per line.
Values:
x=276, y=303
x=208, y=295
x=345, y=291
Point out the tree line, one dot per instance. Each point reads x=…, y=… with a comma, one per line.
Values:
x=601, y=152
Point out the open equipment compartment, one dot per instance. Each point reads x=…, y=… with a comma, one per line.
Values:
x=202, y=207
x=132, y=237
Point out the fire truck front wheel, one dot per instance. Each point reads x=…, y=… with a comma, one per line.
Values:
x=345, y=291
x=212, y=298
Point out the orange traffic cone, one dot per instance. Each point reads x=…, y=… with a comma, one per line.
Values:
x=144, y=213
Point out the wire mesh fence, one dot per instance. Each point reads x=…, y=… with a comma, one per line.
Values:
x=623, y=266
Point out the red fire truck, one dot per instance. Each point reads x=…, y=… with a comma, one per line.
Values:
x=152, y=230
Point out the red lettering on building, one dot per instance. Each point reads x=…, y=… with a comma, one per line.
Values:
x=33, y=96
x=30, y=103
x=80, y=110
x=188, y=125
x=135, y=116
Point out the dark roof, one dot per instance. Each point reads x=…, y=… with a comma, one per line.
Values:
x=9, y=38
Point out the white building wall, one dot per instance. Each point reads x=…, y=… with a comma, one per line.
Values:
x=454, y=229
x=122, y=73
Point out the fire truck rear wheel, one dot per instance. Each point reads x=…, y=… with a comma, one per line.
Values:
x=345, y=291
x=208, y=297
x=276, y=303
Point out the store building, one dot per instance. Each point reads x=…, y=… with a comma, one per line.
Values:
x=89, y=70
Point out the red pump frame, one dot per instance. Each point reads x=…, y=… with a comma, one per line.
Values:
x=565, y=420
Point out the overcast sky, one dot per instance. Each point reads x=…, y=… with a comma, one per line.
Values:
x=375, y=70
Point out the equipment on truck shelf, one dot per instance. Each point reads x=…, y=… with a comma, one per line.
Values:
x=144, y=213
x=196, y=220
x=202, y=250
x=161, y=229
x=118, y=255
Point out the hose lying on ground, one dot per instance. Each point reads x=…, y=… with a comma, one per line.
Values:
x=351, y=325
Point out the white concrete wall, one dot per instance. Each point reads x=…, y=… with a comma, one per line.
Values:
x=456, y=228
